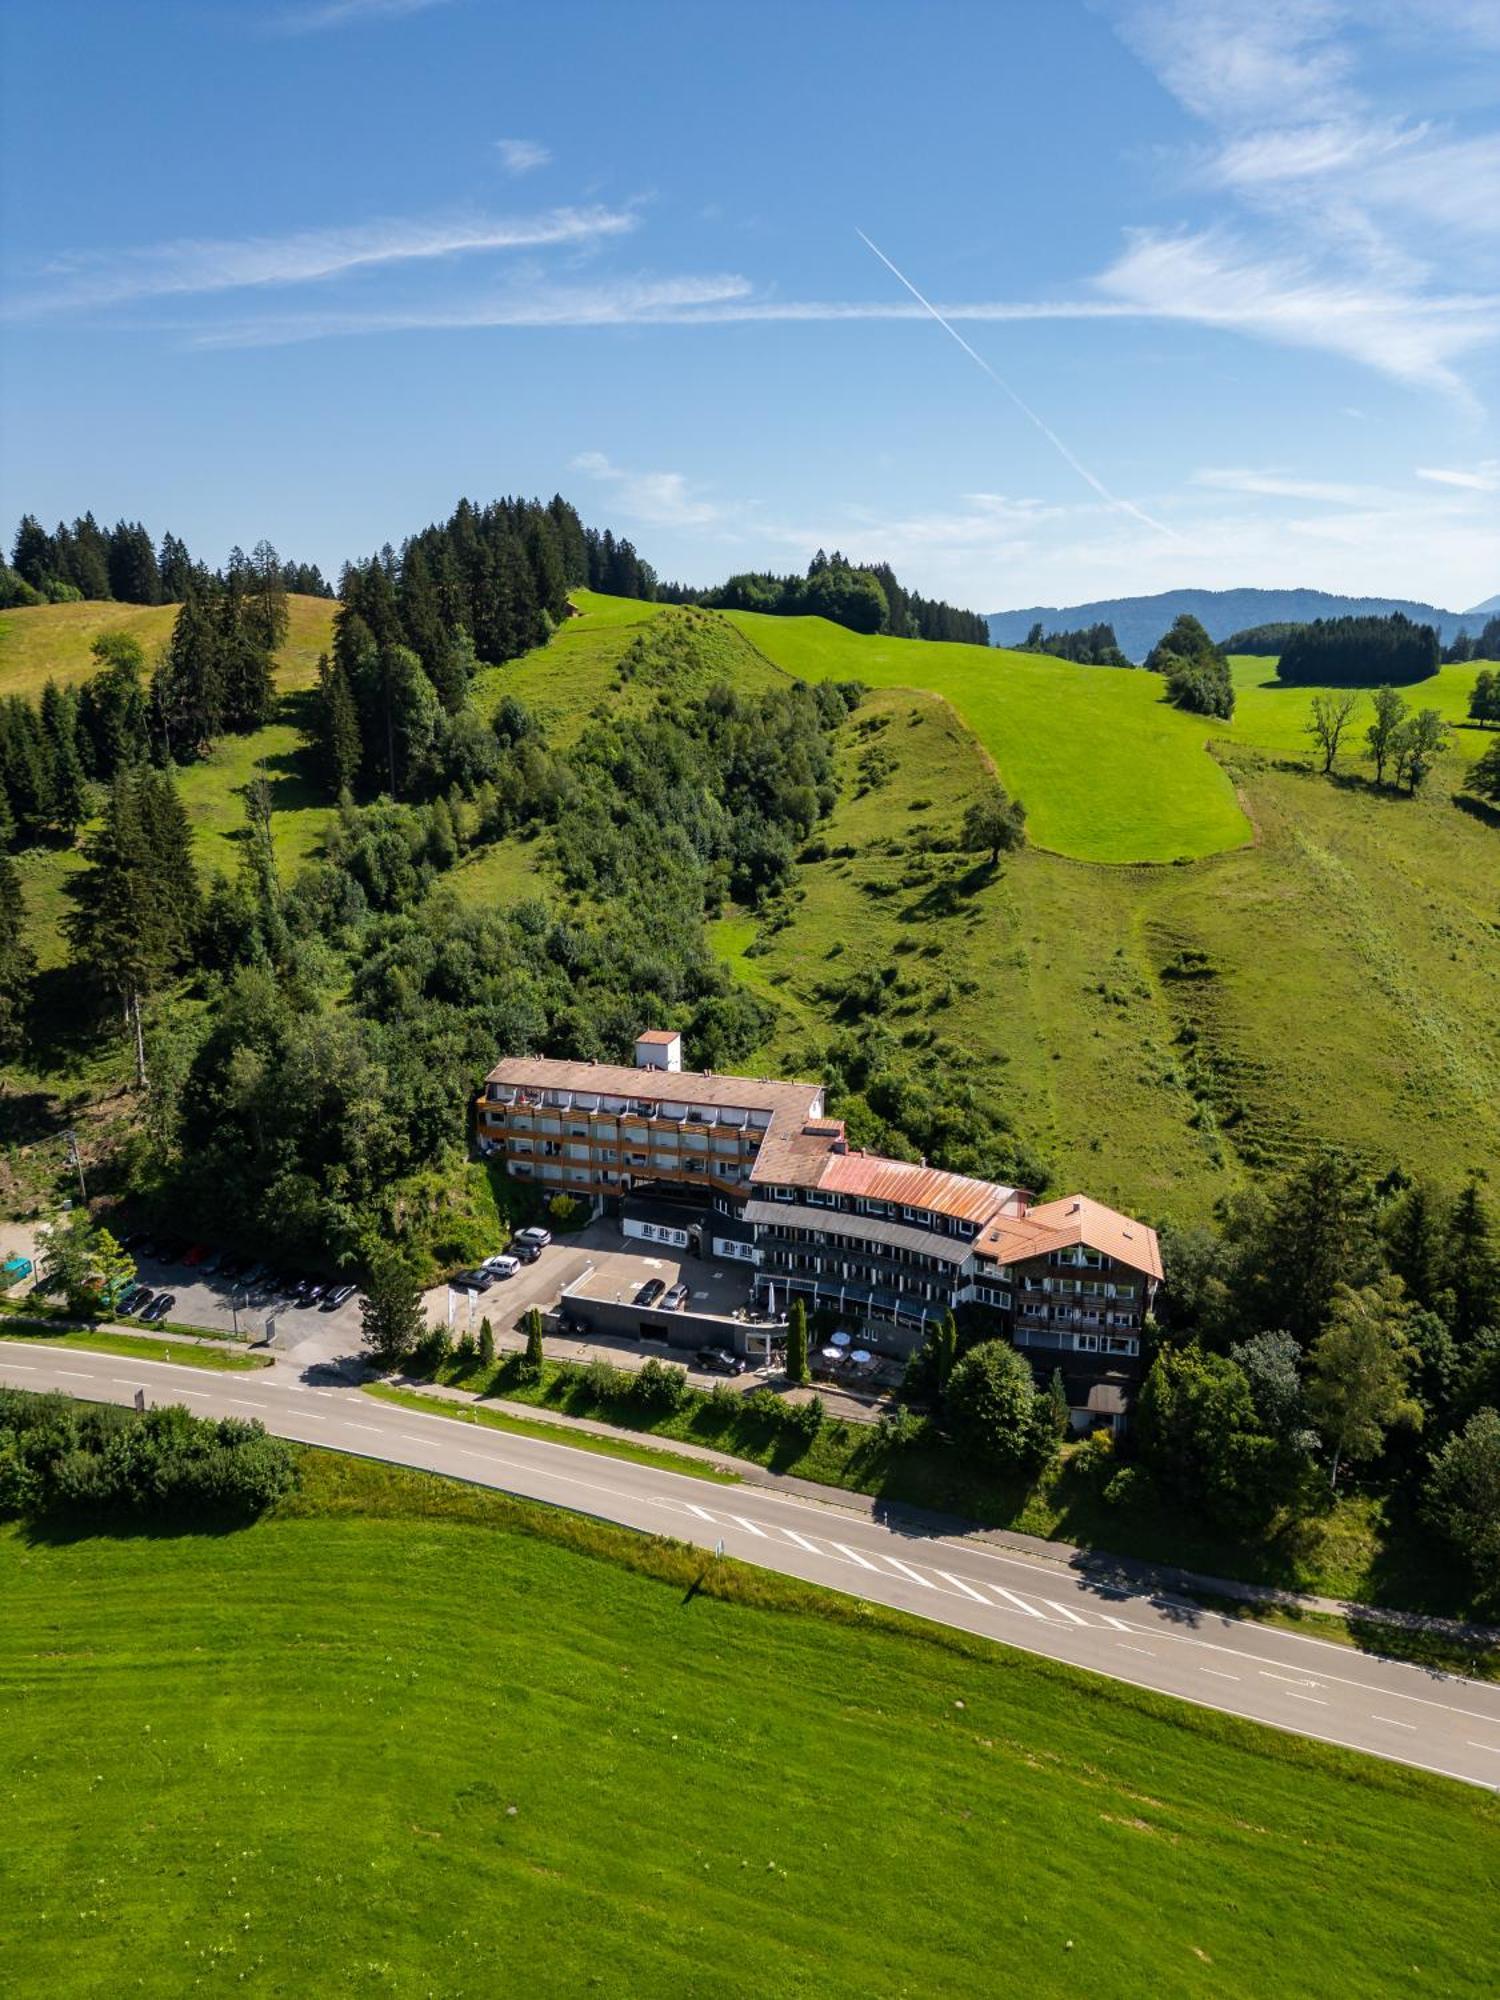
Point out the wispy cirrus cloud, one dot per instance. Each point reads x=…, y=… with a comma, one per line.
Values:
x=324, y=14
x=1481, y=478
x=196, y=265
x=522, y=156
x=1353, y=206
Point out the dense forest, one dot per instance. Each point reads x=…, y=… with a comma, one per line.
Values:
x=1090, y=646
x=863, y=597
x=120, y=564
x=1469, y=646
x=1196, y=670
x=1359, y=652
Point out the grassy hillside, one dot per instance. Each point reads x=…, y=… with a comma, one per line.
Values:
x=1108, y=770
x=1273, y=717
x=51, y=641
x=409, y=1737
x=1152, y=1033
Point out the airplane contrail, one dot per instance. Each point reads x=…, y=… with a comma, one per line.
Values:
x=1113, y=499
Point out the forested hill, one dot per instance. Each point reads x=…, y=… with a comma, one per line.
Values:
x=1140, y=621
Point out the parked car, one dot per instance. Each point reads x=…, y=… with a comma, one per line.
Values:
x=159, y=1307
x=472, y=1281
x=719, y=1361
x=527, y=1253
x=503, y=1266
x=308, y=1292
x=143, y=1297
x=336, y=1296
x=650, y=1292
x=13, y=1270
x=540, y=1237
x=675, y=1299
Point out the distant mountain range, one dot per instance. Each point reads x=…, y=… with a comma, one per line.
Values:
x=1140, y=621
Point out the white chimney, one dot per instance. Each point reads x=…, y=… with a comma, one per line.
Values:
x=658, y=1049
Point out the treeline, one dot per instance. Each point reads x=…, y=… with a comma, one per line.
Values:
x=864, y=598
x=1197, y=673
x=1359, y=652
x=1089, y=646
x=1466, y=647
x=216, y=676
x=123, y=564
x=1264, y=640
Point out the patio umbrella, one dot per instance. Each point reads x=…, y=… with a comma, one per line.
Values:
x=833, y=1354
x=841, y=1339
x=861, y=1354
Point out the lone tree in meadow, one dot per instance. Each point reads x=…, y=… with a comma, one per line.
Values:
x=994, y=823
x=1329, y=717
x=797, y=1369
x=1420, y=741
x=1484, y=777
x=1384, y=731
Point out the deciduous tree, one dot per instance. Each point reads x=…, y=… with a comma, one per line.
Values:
x=1358, y=1384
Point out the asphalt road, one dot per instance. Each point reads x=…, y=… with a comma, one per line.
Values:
x=1312, y=1687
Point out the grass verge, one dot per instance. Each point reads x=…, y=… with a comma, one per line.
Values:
x=502, y=1420
x=136, y=1347
x=406, y=1735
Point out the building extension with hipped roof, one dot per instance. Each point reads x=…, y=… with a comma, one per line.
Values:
x=753, y=1170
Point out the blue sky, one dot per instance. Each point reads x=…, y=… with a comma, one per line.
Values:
x=1229, y=271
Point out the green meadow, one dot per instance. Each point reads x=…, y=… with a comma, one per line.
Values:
x=407, y=1737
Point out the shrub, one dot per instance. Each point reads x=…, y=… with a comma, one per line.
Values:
x=486, y=1344
x=1128, y=1486
x=806, y=1419
x=764, y=1405
x=659, y=1387
x=902, y=1428
x=562, y=1208
x=1094, y=1461
x=466, y=1353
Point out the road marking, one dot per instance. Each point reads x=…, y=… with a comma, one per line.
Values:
x=959, y=1584
x=1053, y=1605
x=1218, y=1673
x=312, y=1417
x=1493, y=1748
x=72, y=1374
x=750, y=1526
x=1115, y=1624
x=1019, y=1602
x=1391, y=1722
x=240, y=1403
x=1300, y=1679
x=1316, y=1700
x=801, y=1541
x=854, y=1556
x=915, y=1575
x=702, y=1513
x=373, y=1432
x=1146, y=1650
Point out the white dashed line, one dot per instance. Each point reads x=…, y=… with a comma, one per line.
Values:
x=72, y=1374
x=1146, y=1650
x=1493, y=1748
x=1017, y=1603
x=802, y=1541
x=915, y=1575
x=1218, y=1673
x=371, y=1431
x=702, y=1513
x=854, y=1555
x=1391, y=1722
x=1316, y=1700
x=749, y=1527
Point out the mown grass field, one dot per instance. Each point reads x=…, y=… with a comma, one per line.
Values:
x=51, y=641
x=409, y=1737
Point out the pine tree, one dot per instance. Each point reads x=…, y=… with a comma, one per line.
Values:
x=174, y=568
x=133, y=574
x=1414, y=1244
x=486, y=1344
x=1471, y=1265
x=536, y=1355
x=35, y=554
x=337, y=730
x=90, y=558
x=266, y=615
x=187, y=689
x=17, y=961
x=390, y=1313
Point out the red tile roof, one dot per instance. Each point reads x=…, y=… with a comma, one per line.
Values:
x=1075, y=1218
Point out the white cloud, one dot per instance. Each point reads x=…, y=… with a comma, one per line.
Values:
x=662, y=498
x=1274, y=485
x=522, y=156
x=314, y=19
x=1482, y=478
x=1213, y=281
x=197, y=266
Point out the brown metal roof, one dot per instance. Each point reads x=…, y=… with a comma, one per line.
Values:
x=792, y=1102
x=914, y=1186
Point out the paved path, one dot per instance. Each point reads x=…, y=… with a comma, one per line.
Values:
x=1313, y=1687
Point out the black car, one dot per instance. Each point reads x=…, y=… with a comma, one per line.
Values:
x=140, y=1299
x=130, y=1298
x=719, y=1361
x=336, y=1296
x=159, y=1307
x=519, y=1246
x=650, y=1292
x=472, y=1281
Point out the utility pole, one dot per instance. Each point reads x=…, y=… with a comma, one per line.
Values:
x=77, y=1158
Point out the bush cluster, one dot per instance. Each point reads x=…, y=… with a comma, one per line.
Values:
x=55, y=1453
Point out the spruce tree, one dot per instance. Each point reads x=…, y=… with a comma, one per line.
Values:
x=797, y=1369
x=536, y=1356
x=17, y=961
x=35, y=554
x=1472, y=1265
x=187, y=689
x=390, y=1312
x=337, y=729
x=266, y=614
